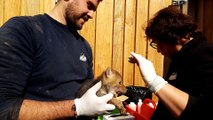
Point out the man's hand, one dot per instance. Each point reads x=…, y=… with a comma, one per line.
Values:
x=147, y=70
x=90, y=104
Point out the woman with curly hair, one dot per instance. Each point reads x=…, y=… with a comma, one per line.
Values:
x=186, y=93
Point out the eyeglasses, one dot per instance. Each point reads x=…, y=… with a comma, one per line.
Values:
x=153, y=44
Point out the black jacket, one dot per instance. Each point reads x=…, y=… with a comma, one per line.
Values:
x=191, y=71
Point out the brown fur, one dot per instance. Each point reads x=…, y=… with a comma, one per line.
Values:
x=111, y=82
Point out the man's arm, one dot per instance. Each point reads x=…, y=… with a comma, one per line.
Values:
x=38, y=110
x=88, y=105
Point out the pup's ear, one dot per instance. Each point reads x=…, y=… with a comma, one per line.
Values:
x=108, y=72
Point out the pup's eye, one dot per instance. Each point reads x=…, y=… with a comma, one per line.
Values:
x=120, y=82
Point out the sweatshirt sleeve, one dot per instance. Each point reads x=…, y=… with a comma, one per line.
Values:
x=15, y=64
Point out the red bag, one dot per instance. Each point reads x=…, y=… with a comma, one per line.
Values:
x=146, y=110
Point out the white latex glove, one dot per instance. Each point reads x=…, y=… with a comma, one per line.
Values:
x=90, y=104
x=147, y=70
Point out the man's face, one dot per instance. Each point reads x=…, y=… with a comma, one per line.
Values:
x=80, y=11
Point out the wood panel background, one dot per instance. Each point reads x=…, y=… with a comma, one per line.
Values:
x=202, y=12
x=116, y=29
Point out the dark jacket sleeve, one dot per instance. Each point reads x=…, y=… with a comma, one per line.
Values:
x=198, y=106
x=15, y=66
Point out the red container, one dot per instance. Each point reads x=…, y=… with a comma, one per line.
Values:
x=146, y=110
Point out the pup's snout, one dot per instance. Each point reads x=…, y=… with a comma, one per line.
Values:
x=122, y=90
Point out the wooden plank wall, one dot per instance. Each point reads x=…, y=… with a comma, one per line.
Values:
x=116, y=29
x=208, y=18
x=202, y=12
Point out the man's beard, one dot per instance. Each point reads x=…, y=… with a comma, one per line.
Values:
x=70, y=18
x=72, y=25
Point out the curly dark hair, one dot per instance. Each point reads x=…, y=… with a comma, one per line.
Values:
x=169, y=25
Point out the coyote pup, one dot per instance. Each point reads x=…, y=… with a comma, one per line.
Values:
x=111, y=82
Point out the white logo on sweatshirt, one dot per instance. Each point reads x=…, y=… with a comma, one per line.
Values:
x=83, y=58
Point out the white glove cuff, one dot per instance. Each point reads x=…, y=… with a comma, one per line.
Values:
x=77, y=105
x=157, y=84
